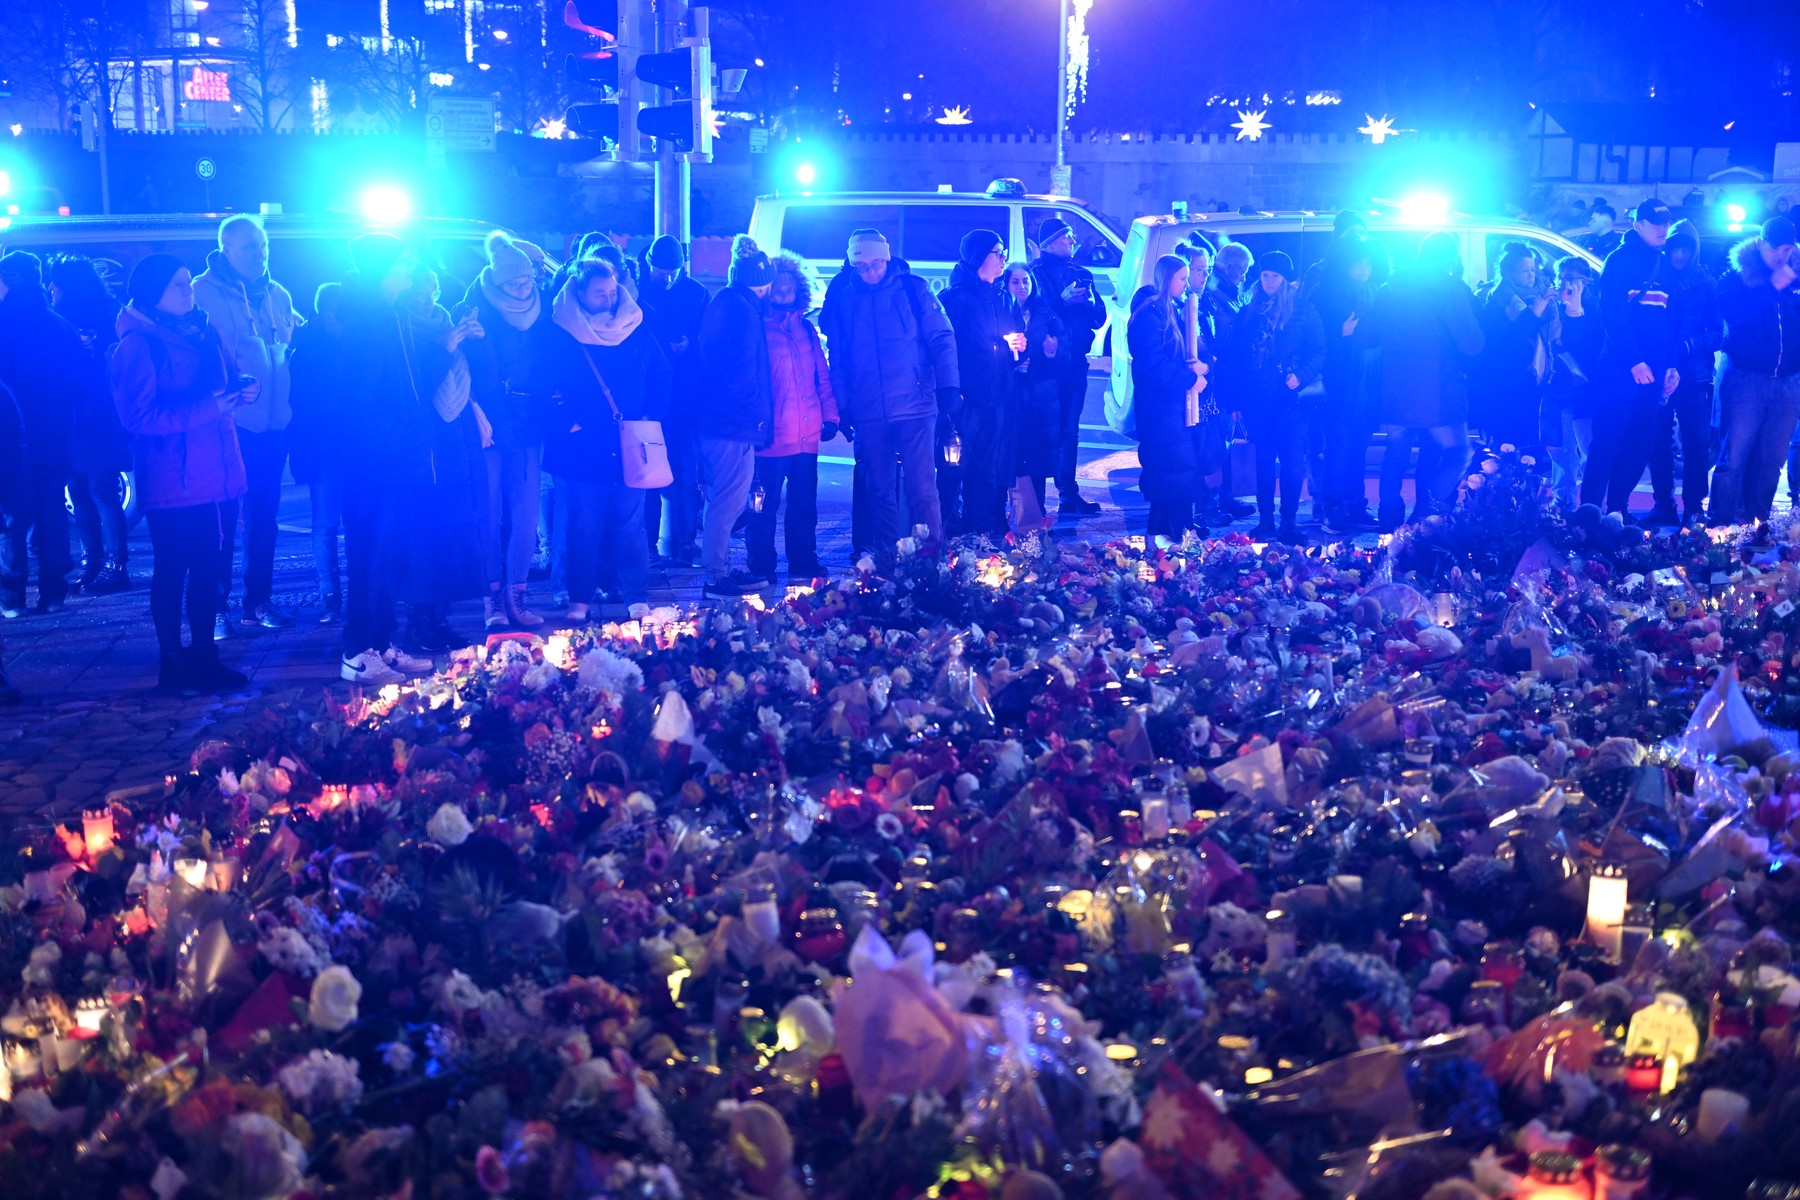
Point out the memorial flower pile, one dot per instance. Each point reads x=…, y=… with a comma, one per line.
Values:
x=1221, y=869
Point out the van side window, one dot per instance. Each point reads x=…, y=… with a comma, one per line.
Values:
x=934, y=232
x=1093, y=249
x=823, y=230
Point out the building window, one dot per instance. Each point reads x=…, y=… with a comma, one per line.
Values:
x=184, y=23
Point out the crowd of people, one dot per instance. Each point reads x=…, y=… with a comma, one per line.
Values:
x=607, y=413
x=1608, y=375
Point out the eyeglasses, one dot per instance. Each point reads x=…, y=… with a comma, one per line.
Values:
x=997, y=252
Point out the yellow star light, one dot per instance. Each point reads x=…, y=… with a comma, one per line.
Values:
x=1250, y=125
x=1378, y=131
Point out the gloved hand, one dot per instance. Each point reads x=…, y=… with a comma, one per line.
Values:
x=828, y=430
x=945, y=427
x=845, y=428
x=949, y=399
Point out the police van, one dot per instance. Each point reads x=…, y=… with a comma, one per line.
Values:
x=926, y=228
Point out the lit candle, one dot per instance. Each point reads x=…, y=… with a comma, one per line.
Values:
x=761, y=915
x=1554, y=1176
x=556, y=649
x=90, y=1012
x=1621, y=1173
x=1671, y=1075
x=1156, y=819
x=1282, y=941
x=601, y=729
x=22, y=1060
x=1607, y=886
x=334, y=796
x=1721, y=1111
x=97, y=831
x=192, y=871
x=1121, y=1052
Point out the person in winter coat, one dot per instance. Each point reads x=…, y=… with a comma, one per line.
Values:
x=1693, y=296
x=255, y=317
x=894, y=371
x=1638, y=368
x=1566, y=426
x=176, y=387
x=1759, y=390
x=736, y=413
x=1068, y=287
x=673, y=303
x=1342, y=297
x=1518, y=325
x=1161, y=376
x=505, y=300
x=597, y=364
x=315, y=454
x=1276, y=351
x=1426, y=330
x=403, y=522
x=39, y=353
x=102, y=449
x=972, y=492
x=12, y=475
x=806, y=413
x=1037, y=377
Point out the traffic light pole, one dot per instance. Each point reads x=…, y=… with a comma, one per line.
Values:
x=674, y=176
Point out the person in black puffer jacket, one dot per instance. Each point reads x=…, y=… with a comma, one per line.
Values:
x=39, y=353
x=505, y=299
x=102, y=449
x=736, y=413
x=1068, y=287
x=1342, y=296
x=988, y=344
x=1759, y=392
x=1037, y=377
x=1276, y=351
x=1698, y=327
x=674, y=302
x=1161, y=375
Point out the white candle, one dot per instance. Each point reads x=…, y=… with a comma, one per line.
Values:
x=192, y=871
x=1721, y=1110
x=761, y=915
x=1607, y=886
x=1156, y=819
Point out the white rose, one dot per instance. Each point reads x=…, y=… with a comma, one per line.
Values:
x=332, y=1006
x=449, y=826
x=460, y=993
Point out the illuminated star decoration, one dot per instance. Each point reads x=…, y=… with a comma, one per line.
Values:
x=1378, y=131
x=1077, y=37
x=1251, y=126
x=955, y=116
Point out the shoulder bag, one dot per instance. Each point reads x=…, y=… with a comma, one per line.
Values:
x=643, y=456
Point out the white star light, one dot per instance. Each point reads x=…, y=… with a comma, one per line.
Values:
x=1251, y=126
x=955, y=116
x=1378, y=131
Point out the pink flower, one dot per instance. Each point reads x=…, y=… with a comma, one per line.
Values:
x=490, y=1172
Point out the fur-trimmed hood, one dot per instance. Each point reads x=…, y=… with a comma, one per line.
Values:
x=1746, y=256
x=808, y=279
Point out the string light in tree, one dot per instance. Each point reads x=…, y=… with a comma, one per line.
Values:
x=1251, y=126
x=1077, y=35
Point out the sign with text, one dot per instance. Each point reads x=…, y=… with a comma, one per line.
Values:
x=458, y=123
x=214, y=86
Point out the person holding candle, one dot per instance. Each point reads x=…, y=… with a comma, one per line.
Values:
x=1161, y=374
x=972, y=494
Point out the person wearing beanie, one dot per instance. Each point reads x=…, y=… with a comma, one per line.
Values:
x=1694, y=303
x=972, y=491
x=1638, y=371
x=1759, y=388
x=1275, y=352
x=673, y=302
x=176, y=386
x=1069, y=288
x=1349, y=222
x=1424, y=325
x=254, y=316
x=1519, y=325
x=396, y=362
x=505, y=300
x=735, y=416
x=894, y=371
x=40, y=353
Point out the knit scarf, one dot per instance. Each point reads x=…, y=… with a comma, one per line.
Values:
x=596, y=329
x=191, y=325
x=422, y=328
x=520, y=314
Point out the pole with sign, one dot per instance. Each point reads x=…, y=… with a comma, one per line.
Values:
x=206, y=169
x=457, y=123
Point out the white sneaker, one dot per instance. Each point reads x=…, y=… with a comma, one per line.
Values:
x=368, y=667
x=493, y=612
x=577, y=612
x=400, y=660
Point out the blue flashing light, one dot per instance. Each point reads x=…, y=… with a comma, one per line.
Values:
x=806, y=174
x=386, y=204
x=1425, y=207
x=5, y=183
x=1736, y=213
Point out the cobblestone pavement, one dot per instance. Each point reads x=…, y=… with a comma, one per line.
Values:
x=94, y=722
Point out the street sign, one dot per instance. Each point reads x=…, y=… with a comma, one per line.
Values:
x=1060, y=180
x=456, y=123
x=759, y=141
x=206, y=168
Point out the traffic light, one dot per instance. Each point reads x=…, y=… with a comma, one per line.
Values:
x=686, y=122
x=606, y=68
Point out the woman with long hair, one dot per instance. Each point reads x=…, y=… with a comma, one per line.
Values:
x=1039, y=377
x=102, y=448
x=1162, y=372
x=1276, y=352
